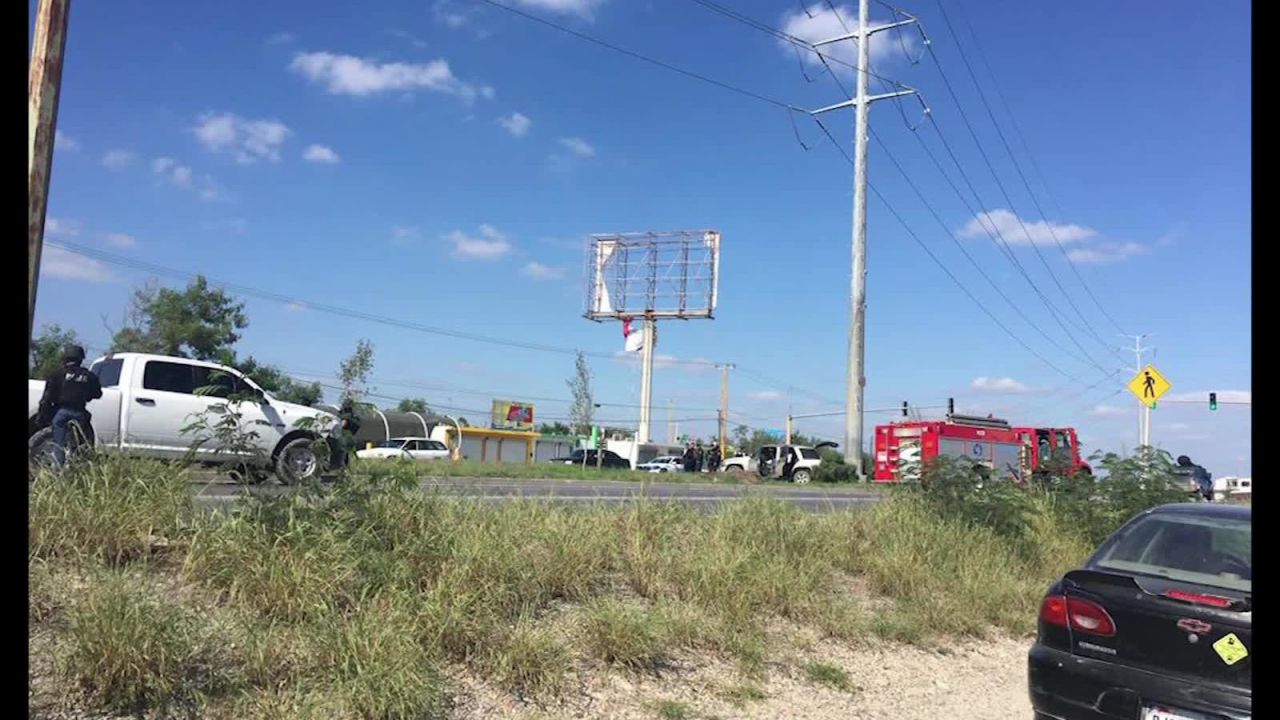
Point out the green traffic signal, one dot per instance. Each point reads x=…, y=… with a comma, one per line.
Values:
x=1213, y=401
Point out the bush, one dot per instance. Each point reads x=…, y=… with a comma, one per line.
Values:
x=835, y=472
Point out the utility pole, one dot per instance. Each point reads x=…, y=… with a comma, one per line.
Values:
x=671, y=425
x=724, y=403
x=1144, y=410
x=861, y=102
x=44, y=83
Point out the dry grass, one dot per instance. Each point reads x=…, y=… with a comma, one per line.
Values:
x=351, y=603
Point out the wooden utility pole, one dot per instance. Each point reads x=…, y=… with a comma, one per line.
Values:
x=43, y=86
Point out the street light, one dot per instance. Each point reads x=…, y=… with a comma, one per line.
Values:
x=1213, y=401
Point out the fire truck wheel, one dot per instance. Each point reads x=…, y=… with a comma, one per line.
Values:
x=800, y=476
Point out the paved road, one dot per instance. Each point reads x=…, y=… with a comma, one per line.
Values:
x=703, y=496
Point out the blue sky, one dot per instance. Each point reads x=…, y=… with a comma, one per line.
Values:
x=444, y=161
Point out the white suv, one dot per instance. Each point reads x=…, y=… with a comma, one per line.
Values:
x=765, y=463
x=409, y=448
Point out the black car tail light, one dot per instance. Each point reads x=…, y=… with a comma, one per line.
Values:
x=1080, y=615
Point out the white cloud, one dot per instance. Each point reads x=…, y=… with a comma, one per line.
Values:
x=766, y=395
x=117, y=159
x=450, y=14
x=121, y=240
x=407, y=37
x=1109, y=411
x=516, y=124
x=405, y=235
x=320, y=154
x=281, y=38
x=247, y=140
x=67, y=265
x=179, y=175
x=1107, y=253
x=1224, y=396
x=826, y=24
x=61, y=227
x=538, y=271
x=490, y=244
x=578, y=146
x=350, y=75
x=172, y=171
x=1005, y=385
x=65, y=142
x=581, y=8
x=1007, y=225
x=295, y=306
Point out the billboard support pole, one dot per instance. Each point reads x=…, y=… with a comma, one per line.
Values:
x=646, y=380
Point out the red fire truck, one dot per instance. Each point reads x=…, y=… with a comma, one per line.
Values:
x=902, y=448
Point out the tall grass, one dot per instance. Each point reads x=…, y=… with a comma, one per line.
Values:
x=358, y=600
x=116, y=510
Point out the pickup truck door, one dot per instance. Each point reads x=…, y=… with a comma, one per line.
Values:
x=257, y=414
x=162, y=401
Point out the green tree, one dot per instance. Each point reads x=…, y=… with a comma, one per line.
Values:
x=46, y=350
x=280, y=385
x=199, y=322
x=354, y=372
x=417, y=405
x=583, y=408
x=555, y=428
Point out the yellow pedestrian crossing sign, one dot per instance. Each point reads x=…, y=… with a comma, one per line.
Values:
x=1149, y=385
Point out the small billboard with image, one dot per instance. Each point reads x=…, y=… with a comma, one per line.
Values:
x=510, y=415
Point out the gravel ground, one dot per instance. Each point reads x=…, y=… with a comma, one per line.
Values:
x=975, y=680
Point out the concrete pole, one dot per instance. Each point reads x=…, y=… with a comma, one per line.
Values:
x=646, y=381
x=857, y=379
x=43, y=87
x=724, y=406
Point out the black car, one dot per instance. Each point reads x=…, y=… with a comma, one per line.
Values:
x=1157, y=625
x=611, y=459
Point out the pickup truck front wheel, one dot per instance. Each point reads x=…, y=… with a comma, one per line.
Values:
x=297, y=461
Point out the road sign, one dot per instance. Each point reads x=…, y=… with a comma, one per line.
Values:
x=1148, y=385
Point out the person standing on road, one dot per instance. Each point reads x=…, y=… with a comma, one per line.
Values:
x=67, y=392
x=344, y=435
x=697, y=457
x=713, y=458
x=690, y=464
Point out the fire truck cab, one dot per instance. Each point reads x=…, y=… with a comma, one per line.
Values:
x=903, y=448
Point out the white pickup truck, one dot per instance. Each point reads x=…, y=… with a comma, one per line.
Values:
x=148, y=399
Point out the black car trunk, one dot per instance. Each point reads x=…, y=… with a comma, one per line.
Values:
x=1167, y=626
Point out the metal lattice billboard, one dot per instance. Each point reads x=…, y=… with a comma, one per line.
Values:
x=653, y=274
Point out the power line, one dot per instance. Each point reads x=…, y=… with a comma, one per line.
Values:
x=335, y=310
x=645, y=58
x=790, y=38
x=1031, y=157
x=943, y=265
x=1018, y=168
x=991, y=167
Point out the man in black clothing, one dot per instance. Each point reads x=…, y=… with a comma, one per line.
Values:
x=344, y=434
x=67, y=391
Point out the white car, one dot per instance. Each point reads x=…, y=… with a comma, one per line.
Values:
x=663, y=463
x=409, y=448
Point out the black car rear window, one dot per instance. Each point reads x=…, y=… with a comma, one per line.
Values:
x=1204, y=550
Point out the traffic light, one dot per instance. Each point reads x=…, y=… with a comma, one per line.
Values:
x=1213, y=401
x=904, y=408
x=951, y=407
